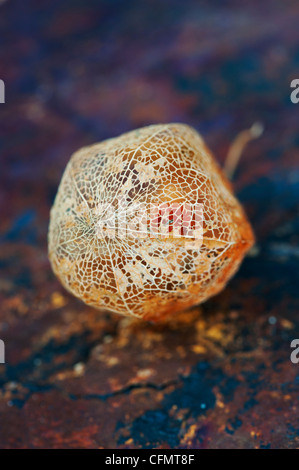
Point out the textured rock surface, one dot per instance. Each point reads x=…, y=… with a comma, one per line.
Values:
x=145, y=224
x=76, y=74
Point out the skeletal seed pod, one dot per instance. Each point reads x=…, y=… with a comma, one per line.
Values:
x=146, y=224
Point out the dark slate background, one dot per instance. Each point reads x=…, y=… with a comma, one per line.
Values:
x=220, y=376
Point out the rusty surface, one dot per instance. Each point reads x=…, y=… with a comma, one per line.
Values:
x=220, y=376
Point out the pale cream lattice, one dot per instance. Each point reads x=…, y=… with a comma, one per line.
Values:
x=144, y=276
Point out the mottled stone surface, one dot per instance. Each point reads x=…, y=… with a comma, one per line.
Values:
x=221, y=376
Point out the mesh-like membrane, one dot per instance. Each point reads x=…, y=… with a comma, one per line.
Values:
x=145, y=276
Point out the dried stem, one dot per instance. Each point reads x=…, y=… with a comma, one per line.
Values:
x=238, y=145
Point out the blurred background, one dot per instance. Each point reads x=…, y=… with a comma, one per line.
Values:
x=77, y=72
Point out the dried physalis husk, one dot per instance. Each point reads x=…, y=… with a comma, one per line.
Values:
x=146, y=224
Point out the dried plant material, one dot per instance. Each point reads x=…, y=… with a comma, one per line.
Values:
x=237, y=147
x=99, y=255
